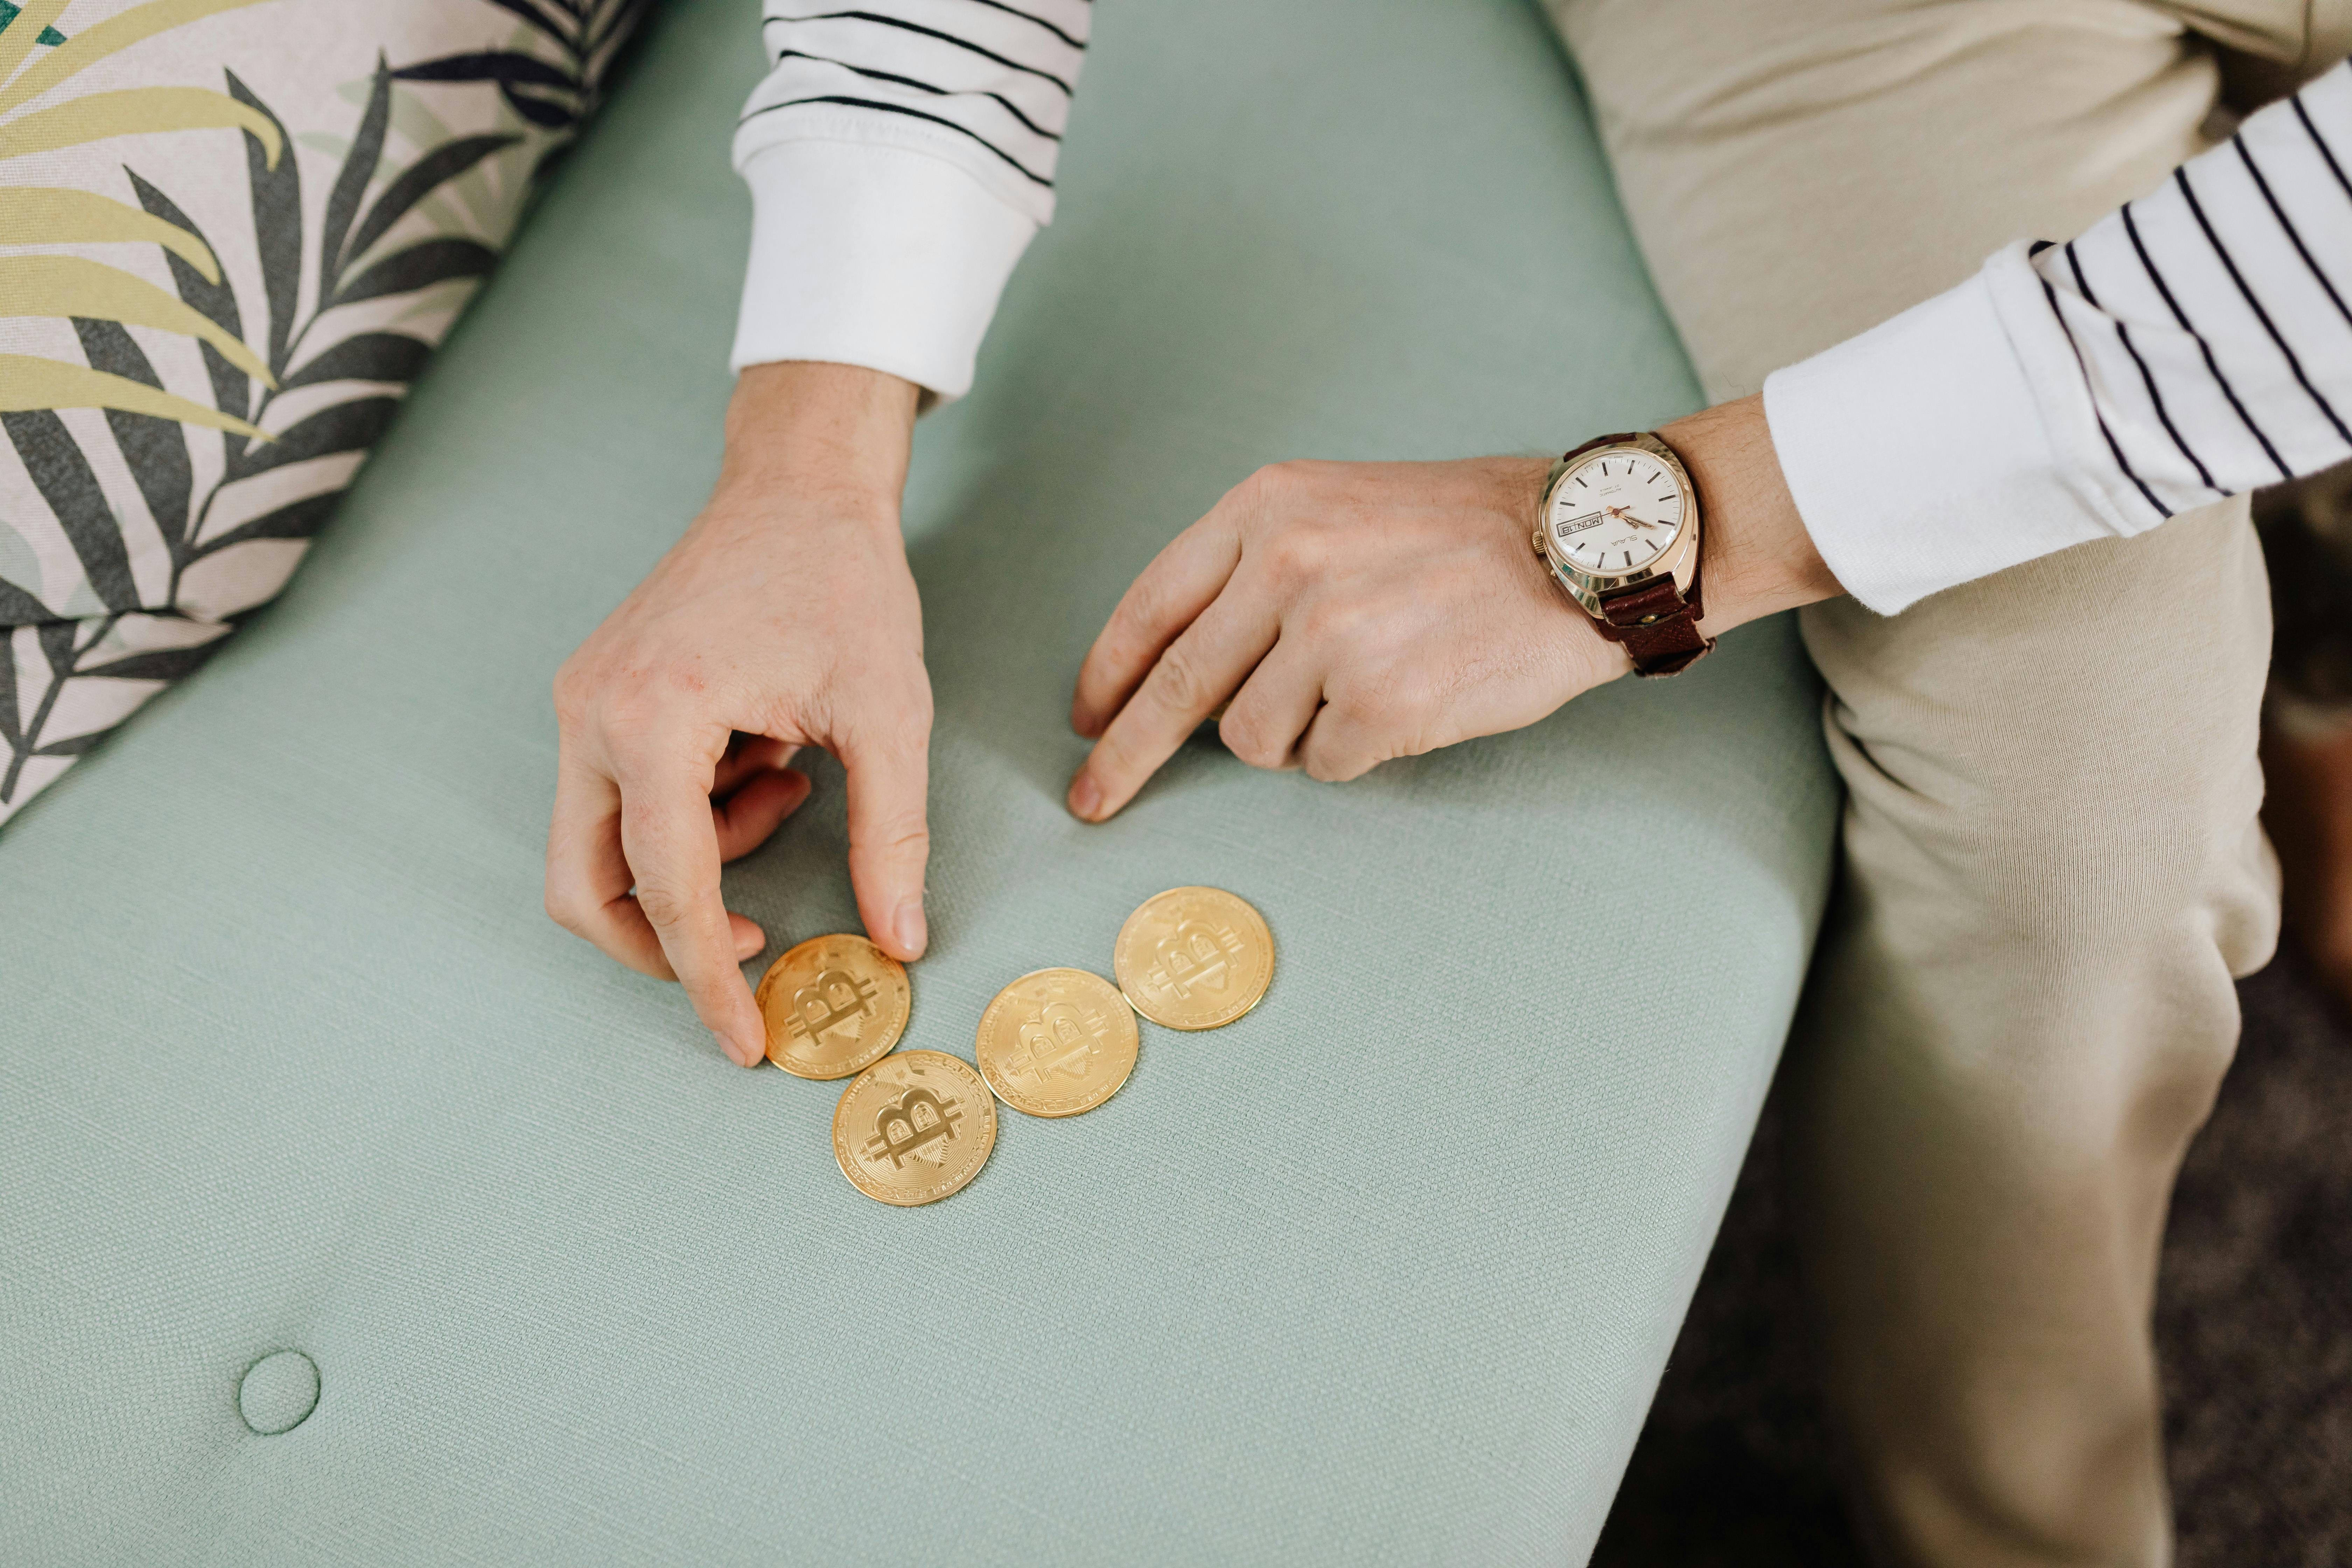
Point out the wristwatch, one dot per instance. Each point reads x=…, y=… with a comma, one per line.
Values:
x=1620, y=529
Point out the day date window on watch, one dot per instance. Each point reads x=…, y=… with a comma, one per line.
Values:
x=1578, y=524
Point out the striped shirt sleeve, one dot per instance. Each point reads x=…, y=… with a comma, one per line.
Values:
x=2191, y=346
x=901, y=155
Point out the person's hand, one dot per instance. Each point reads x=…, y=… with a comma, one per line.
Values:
x=1349, y=613
x=785, y=616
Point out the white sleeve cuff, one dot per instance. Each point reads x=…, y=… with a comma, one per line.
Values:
x=876, y=256
x=1918, y=454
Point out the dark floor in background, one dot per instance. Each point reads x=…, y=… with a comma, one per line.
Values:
x=2253, y=1322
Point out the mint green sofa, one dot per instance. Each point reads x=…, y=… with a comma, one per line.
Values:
x=351, y=1211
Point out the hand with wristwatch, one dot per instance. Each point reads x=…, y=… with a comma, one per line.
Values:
x=1620, y=531
x=1337, y=614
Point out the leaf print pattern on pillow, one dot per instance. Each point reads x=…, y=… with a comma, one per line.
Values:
x=220, y=280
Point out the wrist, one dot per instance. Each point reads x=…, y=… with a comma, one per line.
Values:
x=1756, y=557
x=836, y=435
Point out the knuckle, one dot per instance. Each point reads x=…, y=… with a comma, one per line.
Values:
x=897, y=837
x=1268, y=484
x=1267, y=496
x=1330, y=620
x=628, y=705
x=564, y=907
x=1364, y=705
x=1182, y=687
x=1246, y=738
x=664, y=905
x=1291, y=559
x=572, y=694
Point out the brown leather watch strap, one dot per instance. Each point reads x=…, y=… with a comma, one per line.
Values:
x=1658, y=625
x=1621, y=438
x=1655, y=621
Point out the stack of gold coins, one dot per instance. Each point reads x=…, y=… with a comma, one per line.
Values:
x=916, y=1126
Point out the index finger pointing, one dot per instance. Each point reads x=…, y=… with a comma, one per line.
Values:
x=1167, y=595
x=672, y=847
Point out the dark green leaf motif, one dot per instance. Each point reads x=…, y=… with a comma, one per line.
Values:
x=232, y=388
x=352, y=184
x=9, y=728
x=49, y=36
x=153, y=449
x=55, y=640
x=368, y=356
x=17, y=608
x=496, y=65
x=443, y=164
x=296, y=520
x=277, y=224
x=351, y=426
x=426, y=263
x=163, y=664
x=64, y=477
x=553, y=95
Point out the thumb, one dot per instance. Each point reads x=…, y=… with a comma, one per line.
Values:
x=889, y=837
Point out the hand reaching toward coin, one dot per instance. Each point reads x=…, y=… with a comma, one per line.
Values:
x=785, y=616
x=1350, y=613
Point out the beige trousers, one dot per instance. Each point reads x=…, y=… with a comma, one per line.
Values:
x=2022, y=1003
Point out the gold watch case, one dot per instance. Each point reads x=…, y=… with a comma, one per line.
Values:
x=1679, y=561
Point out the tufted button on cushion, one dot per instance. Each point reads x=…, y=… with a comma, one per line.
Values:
x=278, y=1393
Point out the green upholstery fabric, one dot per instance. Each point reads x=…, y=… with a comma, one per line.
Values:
x=289, y=1059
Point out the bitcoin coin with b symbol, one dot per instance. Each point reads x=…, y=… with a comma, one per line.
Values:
x=914, y=1128
x=1057, y=1042
x=1195, y=958
x=835, y=1005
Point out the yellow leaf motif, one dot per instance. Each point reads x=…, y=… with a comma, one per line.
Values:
x=132, y=111
x=35, y=214
x=70, y=286
x=94, y=43
x=28, y=383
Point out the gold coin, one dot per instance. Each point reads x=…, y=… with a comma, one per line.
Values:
x=1057, y=1042
x=834, y=1006
x=914, y=1128
x=1195, y=958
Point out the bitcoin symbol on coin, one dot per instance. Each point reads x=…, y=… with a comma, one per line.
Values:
x=913, y=1127
x=833, y=1007
x=1193, y=957
x=1057, y=1040
x=908, y=1125
x=831, y=1000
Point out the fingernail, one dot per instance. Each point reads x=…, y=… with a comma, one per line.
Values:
x=1086, y=796
x=910, y=927
x=742, y=1053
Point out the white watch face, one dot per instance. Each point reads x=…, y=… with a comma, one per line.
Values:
x=1614, y=512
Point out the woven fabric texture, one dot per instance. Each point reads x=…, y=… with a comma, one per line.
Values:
x=1386, y=1272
